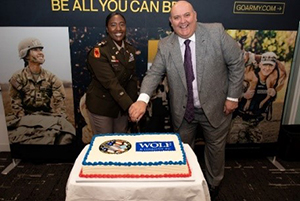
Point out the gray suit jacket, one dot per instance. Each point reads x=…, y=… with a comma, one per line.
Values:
x=220, y=72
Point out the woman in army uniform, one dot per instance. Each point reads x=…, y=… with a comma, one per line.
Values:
x=114, y=84
x=37, y=101
x=33, y=88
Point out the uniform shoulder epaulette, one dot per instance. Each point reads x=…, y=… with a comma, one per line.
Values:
x=102, y=43
x=128, y=43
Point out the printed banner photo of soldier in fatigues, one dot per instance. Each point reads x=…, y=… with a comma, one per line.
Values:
x=38, y=111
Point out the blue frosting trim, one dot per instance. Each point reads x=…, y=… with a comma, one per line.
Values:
x=135, y=163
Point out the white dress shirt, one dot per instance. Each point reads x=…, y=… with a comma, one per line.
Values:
x=193, y=51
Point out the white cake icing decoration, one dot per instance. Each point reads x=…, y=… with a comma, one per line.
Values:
x=135, y=155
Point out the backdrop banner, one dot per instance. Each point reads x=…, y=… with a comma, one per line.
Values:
x=68, y=29
x=39, y=110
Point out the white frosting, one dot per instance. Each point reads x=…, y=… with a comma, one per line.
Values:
x=171, y=163
x=95, y=155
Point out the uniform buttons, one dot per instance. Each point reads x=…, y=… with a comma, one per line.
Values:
x=121, y=93
x=103, y=96
x=184, y=107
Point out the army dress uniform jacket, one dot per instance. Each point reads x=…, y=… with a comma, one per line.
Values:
x=114, y=83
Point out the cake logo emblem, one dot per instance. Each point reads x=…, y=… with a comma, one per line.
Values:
x=115, y=146
x=155, y=146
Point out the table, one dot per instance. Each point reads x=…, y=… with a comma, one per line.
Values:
x=190, y=190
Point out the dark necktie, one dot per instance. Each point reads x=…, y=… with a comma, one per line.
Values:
x=188, y=67
x=122, y=53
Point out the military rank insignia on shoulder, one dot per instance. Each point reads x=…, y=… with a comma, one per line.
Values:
x=102, y=43
x=128, y=43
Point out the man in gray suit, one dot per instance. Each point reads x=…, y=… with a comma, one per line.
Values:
x=218, y=70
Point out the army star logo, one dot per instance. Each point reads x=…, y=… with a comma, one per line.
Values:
x=96, y=52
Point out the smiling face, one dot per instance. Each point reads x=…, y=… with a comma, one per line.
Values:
x=266, y=69
x=36, y=55
x=183, y=19
x=116, y=28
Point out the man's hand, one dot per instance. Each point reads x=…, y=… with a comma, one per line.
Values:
x=230, y=106
x=137, y=110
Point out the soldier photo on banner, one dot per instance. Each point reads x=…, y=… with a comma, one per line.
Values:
x=35, y=100
x=268, y=56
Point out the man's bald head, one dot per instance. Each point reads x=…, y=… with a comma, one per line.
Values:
x=183, y=19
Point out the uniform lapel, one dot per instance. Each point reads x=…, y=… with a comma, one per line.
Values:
x=123, y=59
x=127, y=54
x=121, y=56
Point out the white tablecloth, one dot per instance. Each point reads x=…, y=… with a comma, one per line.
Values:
x=132, y=190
